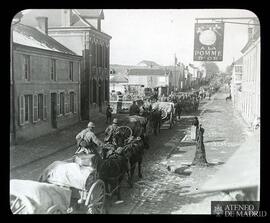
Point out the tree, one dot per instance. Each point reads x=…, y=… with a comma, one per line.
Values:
x=211, y=69
x=200, y=156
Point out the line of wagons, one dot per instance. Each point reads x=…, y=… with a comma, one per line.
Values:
x=85, y=182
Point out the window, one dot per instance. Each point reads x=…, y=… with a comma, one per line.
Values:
x=40, y=106
x=71, y=71
x=53, y=69
x=71, y=98
x=62, y=103
x=27, y=107
x=27, y=67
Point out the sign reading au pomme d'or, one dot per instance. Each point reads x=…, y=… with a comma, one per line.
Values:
x=208, y=42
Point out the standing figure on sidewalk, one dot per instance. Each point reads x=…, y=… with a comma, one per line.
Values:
x=87, y=140
x=108, y=114
x=200, y=156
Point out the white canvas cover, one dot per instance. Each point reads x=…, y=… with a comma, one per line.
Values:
x=41, y=195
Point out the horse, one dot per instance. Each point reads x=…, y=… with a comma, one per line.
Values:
x=155, y=120
x=112, y=170
x=134, y=150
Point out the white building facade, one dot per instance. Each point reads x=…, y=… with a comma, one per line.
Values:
x=251, y=78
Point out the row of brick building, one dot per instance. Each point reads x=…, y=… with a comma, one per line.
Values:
x=59, y=70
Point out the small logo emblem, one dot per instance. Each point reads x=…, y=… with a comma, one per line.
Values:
x=218, y=210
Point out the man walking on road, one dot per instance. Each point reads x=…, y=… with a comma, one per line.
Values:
x=87, y=139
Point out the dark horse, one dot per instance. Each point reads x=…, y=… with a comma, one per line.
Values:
x=155, y=120
x=134, y=150
x=112, y=169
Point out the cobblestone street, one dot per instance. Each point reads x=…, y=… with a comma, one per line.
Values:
x=165, y=192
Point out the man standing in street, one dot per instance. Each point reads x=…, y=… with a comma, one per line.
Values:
x=87, y=139
x=108, y=114
x=134, y=109
x=178, y=110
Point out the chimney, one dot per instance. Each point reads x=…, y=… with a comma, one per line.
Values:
x=43, y=24
x=250, y=33
x=66, y=17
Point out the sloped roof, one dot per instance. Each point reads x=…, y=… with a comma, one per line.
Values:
x=144, y=72
x=118, y=79
x=29, y=36
x=91, y=13
x=148, y=63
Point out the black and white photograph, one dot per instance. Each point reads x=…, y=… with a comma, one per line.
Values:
x=135, y=111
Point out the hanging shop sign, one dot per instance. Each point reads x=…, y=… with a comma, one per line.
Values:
x=208, y=42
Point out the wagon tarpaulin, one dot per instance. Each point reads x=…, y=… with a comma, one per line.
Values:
x=41, y=195
x=70, y=175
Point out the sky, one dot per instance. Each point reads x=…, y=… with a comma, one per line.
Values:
x=158, y=35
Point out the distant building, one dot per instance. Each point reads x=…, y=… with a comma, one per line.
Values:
x=251, y=75
x=118, y=83
x=80, y=30
x=158, y=79
x=46, y=83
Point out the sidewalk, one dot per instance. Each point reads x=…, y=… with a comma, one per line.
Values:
x=43, y=146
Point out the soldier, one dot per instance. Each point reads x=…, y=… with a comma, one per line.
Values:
x=110, y=130
x=87, y=140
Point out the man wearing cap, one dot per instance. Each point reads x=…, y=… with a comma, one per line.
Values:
x=87, y=139
x=110, y=130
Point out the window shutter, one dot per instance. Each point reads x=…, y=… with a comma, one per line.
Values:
x=21, y=109
x=35, y=108
x=66, y=102
x=58, y=104
x=75, y=102
x=45, y=107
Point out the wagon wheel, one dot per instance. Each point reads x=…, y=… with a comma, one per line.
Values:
x=125, y=131
x=55, y=209
x=164, y=114
x=96, y=198
x=20, y=205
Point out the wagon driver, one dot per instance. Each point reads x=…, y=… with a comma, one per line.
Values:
x=87, y=140
x=110, y=130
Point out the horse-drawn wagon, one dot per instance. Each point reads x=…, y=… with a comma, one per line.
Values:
x=167, y=113
x=62, y=186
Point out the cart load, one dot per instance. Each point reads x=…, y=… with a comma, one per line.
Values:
x=166, y=109
x=31, y=197
x=132, y=125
